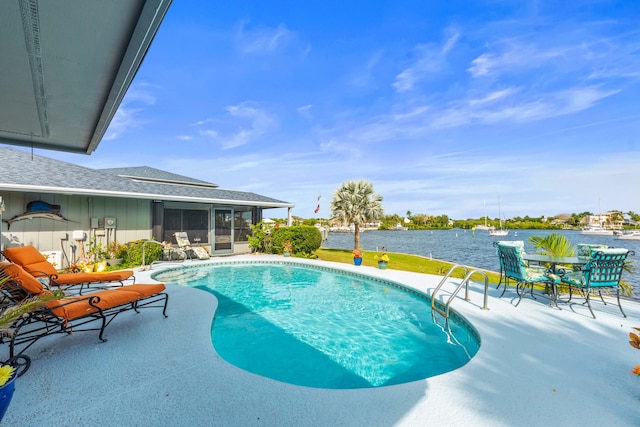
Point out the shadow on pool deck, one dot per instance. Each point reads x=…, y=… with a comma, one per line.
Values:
x=536, y=366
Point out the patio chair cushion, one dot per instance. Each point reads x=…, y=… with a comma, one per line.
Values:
x=108, y=276
x=30, y=259
x=586, y=249
x=540, y=274
x=519, y=243
x=79, y=306
x=145, y=290
x=24, y=279
x=35, y=263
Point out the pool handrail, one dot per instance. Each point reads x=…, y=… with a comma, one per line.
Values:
x=464, y=282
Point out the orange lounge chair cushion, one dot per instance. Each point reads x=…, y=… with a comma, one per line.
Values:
x=144, y=291
x=108, y=299
x=30, y=259
x=24, y=279
x=77, y=278
x=34, y=262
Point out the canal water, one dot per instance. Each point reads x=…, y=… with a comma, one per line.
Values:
x=474, y=249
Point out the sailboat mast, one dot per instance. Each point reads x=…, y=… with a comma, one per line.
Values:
x=485, y=213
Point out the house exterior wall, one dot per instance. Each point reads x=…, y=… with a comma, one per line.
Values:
x=86, y=214
x=132, y=221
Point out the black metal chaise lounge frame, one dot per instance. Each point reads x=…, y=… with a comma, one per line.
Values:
x=89, y=312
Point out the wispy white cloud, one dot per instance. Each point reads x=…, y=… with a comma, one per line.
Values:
x=259, y=123
x=249, y=121
x=511, y=56
x=537, y=107
x=363, y=76
x=305, y=110
x=202, y=122
x=453, y=37
x=264, y=40
x=492, y=97
x=210, y=133
x=429, y=60
x=130, y=113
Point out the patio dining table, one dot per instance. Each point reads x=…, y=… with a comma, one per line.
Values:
x=554, y=261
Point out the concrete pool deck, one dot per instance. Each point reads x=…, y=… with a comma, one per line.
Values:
x=537, y=366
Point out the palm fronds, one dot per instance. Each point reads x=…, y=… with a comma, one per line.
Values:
x=554, y=244
x=11, y=312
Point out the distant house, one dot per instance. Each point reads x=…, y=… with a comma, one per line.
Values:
x=605, y=219
x=120, y=204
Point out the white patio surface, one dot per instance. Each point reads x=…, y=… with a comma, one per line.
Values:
x=537, y=366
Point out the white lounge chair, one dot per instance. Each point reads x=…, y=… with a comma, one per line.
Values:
x=182, y=239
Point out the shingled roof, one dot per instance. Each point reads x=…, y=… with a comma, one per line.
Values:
x=149, y=174
x=25, y=172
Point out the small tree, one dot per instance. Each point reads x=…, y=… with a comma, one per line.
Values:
x=356, y=203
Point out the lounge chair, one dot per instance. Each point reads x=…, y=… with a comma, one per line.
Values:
x=182, y=239
x=602, y=272
x=90, y=312
x=29, y=258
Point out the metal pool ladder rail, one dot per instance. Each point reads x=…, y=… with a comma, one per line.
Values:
x=464, y=282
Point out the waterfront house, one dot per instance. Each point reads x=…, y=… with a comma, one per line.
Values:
x=119, y=204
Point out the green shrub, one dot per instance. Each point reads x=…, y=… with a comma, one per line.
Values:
x=305, y=239
x=131, y=253
x=260, y=238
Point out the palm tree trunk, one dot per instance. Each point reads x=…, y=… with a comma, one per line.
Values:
x=356, y=236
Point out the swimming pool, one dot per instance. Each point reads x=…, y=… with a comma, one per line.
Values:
x=319, y=327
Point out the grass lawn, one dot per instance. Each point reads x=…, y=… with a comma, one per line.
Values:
x=405, y=262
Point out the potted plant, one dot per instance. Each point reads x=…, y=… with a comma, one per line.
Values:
x=287, y=248
x=357, y=256
x=114, y=250
x=383, y=259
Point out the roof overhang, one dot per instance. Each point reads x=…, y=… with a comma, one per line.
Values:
x=66, y=66
x=143, y=196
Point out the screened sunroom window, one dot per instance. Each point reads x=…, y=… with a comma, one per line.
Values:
x=194, y=222
x=242, y=225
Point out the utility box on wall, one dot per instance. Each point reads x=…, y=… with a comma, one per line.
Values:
x=109, y=222
x=97, y=223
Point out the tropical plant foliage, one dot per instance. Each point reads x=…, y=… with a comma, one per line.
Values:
x=554, y=244
x=10, y=313
x=355, y=202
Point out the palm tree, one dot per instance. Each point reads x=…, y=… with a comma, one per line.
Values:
x=356, y=203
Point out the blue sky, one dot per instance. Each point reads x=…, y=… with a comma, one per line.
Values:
x=444, y=106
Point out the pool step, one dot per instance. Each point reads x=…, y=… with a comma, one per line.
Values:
x=181, y=276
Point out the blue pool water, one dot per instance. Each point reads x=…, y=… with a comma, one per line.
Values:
x=319, y=327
